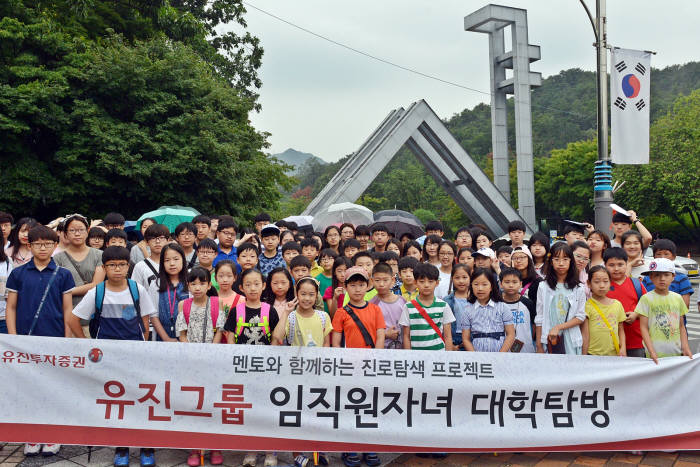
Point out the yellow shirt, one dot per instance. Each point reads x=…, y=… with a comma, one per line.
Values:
x=408, y=296
x=600, y=340
x=309, y=329
x=368, y=296
x=316, y=270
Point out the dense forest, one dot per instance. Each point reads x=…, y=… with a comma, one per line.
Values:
x=563, y=112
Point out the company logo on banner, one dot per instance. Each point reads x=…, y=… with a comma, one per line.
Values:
x=240, y=397
x=629, y=113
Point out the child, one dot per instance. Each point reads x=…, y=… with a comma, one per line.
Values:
x=463, y=238
x=425, y=321
x=412, y=249
x=573, y=231
x=278, y=288
x=622, y=223
x=142, y=251
x=304, y=326
x=603, y=330
x=300, y=266
x=225, y=273
x=661, y=313
x=390, y=304
x=364, y=259
x=434, y=228
x=261, y=220
x=309, y=249
x=393, y=246
x=248, y=254
x=530, y=281
x=362, y=234
x=464, y=256
x=627, y=291
x=598, y=241
x=325, y=277
x=95, y=238
x=290, y=250
x=561, y=303
x=286, y=236
x=199, y=319
x=503, y=255
x=522, y=309
x=457, y=300
x=146, y=271
x=632, y=244
x=116, y=237
x=124, y=312
x=516, y=232
x=447, y=252
x=331, y=238
x=582, y=258
x=171, y=288
x=350, y=247
x=252, y=323
x=485, y=258
x=271, y=257
x=206, y=252
x=482, y=239
x=539, y=247
x=391, y=258
x=380, y=237
x=226, y=234
x=409, y=289
x=430, y=250
x=363, y=326
x=19, y=250
x=488, y=323
x=664, y=248
x=5, y=270
x=203, y=225
x=347, y=231
x=334, y=295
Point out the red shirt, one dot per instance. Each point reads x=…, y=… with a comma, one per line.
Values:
x=625, y=294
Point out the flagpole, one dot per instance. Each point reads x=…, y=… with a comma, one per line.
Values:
x=602, y=180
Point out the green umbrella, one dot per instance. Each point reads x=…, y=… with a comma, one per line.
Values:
x=170, y=216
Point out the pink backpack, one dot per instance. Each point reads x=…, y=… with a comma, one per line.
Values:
x=213, y=309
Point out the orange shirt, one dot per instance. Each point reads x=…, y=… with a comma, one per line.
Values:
x=370, y=315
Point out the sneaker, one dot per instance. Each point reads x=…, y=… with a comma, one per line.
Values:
x=216, y=458
x=351, y=459
x=31, y=450
x=270, y=460
x=148, y=457
x=301, y=461
x=250, y=459
x=194, y=459
x=121, y=457
x=371, y=459
x=50, y=449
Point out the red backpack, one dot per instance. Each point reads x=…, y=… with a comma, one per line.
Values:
x=213, y=309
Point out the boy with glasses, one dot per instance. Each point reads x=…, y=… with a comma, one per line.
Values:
x=185, y=235
x=146, y=271
x=39, y=297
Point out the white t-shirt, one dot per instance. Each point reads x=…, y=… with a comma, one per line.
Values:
x=443, y=287
x=142, y=274
x=5, y=270
x=118, y=312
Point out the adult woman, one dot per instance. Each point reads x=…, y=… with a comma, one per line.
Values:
x=598, y=241
x=631, y=242
x=83, y=262
x=347, y=231
x=522, y=261
x=332, y=238
x=19, y=251
x=141, y=250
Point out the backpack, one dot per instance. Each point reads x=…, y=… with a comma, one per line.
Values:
x=241, y=322
x=94, y=325
x=213, y=309
x=293, y=321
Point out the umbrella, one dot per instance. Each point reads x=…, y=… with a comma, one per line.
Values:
x=400, y=222
x=344, y=213
x=170, y=216
x=301, y=221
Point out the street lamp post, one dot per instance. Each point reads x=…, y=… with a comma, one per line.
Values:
x=602, y=179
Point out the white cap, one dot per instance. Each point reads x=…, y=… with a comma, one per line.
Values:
x=660, y=265
x=485, y=252
x=522, y=249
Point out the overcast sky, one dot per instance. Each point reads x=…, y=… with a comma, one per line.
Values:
x=323, y=99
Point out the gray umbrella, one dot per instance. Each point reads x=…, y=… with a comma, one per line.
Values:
x=400, y=222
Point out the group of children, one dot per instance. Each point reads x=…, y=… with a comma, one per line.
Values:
x=278, y=286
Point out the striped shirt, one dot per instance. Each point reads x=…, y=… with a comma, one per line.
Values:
x=492, y=317
x=423, y=336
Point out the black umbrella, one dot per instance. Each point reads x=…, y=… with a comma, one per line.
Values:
x=400, y=222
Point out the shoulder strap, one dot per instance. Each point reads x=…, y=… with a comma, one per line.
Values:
x=522, y=292
x=99, y=299
x=637, y=287
x=153, y=270
x=134, y=291
x=265, y=316
x=613, y=334
x=292, y=319
x=193, y=260
x=360, y=325
x=77, y=269
x=427, y=318
x=240, y=318
x=322, y=314
x=214, y=311
x=186, y=309
x=43, y=299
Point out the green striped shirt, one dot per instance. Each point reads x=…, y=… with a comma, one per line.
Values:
x=423, y=336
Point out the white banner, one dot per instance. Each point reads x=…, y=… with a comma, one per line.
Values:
x=100, y=392
x=629, y=106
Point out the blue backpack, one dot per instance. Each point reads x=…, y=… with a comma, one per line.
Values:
x=99, y=300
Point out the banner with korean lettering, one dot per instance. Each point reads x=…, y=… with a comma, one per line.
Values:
x=630, y=80
x=124, y=393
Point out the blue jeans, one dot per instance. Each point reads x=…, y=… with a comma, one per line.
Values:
x=3, y=326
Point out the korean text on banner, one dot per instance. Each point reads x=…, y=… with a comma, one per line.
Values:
x=629, y=106
x=239, y=397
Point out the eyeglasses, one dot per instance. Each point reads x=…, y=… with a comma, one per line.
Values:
x=519, y=258
x=446, y=255
x=227, y=234
x=113, y=266
x=41, y=245
x=76, y=231
x=581, y=257
x=206, y=252
x=161, y=239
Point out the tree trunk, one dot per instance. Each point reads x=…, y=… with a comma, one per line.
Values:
x=680, y=221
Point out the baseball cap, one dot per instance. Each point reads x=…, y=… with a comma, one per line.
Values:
x=269, y=230
x=355, y=271
x=660, y=265
x=485, y=252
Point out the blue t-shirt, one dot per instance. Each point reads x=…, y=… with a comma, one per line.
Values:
x=680, y=285
x=30, y=283
x=232, y=256
x=265, y=264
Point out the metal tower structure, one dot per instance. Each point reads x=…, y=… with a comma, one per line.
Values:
x=420, y=129
x=492, y=20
